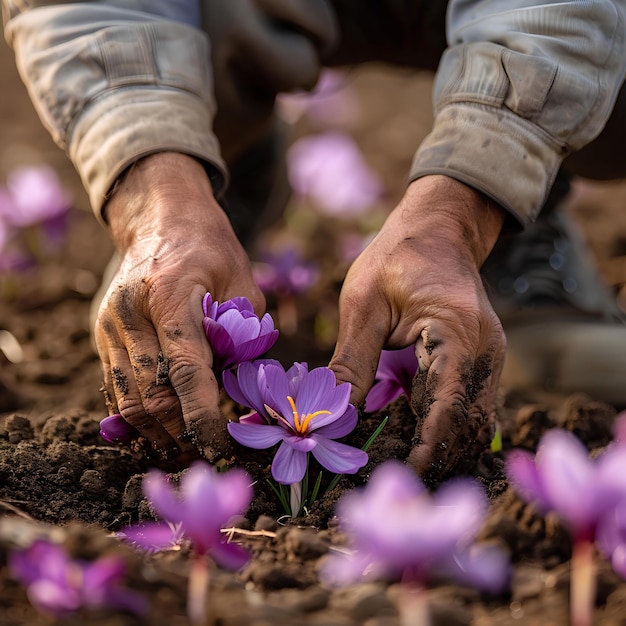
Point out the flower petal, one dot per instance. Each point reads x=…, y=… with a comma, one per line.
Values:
x=341, y=427
x=161, y=494
x=115, y=429
x=102, y=573
x=152, y=536
x=382, y=393
x=567, y=474
x=230, y=555
x=304, y=444
x=257, y=436
x=338, y=457
x=319, y=391
x=289, y=465
x=234, y=493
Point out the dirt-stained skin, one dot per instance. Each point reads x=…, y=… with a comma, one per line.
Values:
x=163, y=370
x=472, y=434
x=120, y=380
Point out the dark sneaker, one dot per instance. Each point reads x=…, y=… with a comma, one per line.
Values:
x=565, y=331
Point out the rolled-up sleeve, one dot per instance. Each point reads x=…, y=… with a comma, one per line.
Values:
x=522, y=85
x=114, y=82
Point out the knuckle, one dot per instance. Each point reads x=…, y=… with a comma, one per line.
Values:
x=160, y=401
x=132, y=409
x=183, y=375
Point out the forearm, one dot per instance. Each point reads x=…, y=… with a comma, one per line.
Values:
x=113, y=85
x=522, y=85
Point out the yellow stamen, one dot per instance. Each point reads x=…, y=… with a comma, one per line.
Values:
x=296, y=420
x=301, y=426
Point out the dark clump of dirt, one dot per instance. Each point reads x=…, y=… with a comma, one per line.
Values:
x=61, y=472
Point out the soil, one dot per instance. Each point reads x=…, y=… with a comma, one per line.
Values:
x=59, y=478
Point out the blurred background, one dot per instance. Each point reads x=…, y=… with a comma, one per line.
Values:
x=351, y=147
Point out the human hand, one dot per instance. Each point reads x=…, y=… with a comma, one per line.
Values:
x=176, y=244
x=418, y=283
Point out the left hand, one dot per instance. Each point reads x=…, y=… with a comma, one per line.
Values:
x=418, y=282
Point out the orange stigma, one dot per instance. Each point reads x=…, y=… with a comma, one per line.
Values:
x=301, y=422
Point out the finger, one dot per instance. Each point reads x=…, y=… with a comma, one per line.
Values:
x=361, y=337
x=451, y=400
x=103, y=352
x=187, y=351
x=121, y=385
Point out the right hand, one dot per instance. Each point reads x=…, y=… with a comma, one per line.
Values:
x=176, y=243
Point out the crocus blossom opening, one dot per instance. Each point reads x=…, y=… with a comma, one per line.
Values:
x=234, y=331
x=394, y=376
x=60, y=586
x=304, y=411
x=397, y=530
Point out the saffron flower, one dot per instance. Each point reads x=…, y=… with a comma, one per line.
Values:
x=60, y=586
x=399, y=531
x=304, y=411
x=115, y=429
x=394, y=376
x=329, y=170
x=563, y=479
x=234, y=331
x=195, y=512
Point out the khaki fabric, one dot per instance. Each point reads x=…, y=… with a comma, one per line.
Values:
x=520, y=84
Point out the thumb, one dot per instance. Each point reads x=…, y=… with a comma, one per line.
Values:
x=355, y=359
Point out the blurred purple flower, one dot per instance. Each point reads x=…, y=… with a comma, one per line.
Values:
x=197, y=511
x=234, y=331
x=60, y=586
x=154, y=536
x=33, y=195
x=330, y=170
x=284, y=272
x=398, y=530
x=333, y=101
x=562, y=478
x=611, y=536
x=115, y=429
x=304, y=411
x=394, y=376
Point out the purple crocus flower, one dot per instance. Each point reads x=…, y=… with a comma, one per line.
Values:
x=33, y=195
x=394, y=376
x=235, y=332
x=115, y=429
x=304, y=411
x=563, y=479
x=284, y=272
x=398, y=530
x=329, y=169
x=60, y=586
x=205, y=502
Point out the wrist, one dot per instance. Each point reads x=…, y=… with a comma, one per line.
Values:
x=163, y=190
x=449, y=210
